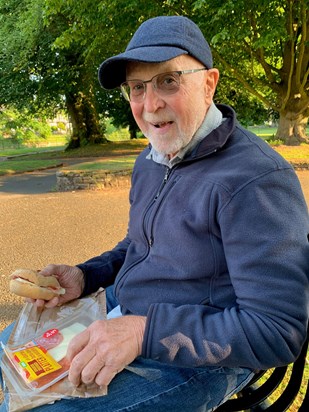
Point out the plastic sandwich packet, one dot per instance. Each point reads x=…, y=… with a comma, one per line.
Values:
x=34, y=363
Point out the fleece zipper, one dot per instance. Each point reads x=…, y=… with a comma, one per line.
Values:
x=147, y=213
x=146, y=216
x=147, y=226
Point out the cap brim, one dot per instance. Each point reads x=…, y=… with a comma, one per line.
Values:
x=112, y=71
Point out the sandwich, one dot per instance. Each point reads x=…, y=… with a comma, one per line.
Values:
x=30, y=284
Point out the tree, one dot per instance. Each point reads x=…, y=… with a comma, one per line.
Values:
x=262, y=45
x=119, y=110
x=22, y=128
x=265, y=46
x=250, y=110
x=37, y=75
x=50, y=51
x=103, y=29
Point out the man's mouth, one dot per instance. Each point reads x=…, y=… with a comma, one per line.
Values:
x=162, y=124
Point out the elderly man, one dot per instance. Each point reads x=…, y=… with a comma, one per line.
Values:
x=211, y=281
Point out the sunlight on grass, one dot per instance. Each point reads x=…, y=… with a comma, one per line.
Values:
x=291, y=153
x=28, y=150
x=111, y=156
x=119, y=163
x=20, y=166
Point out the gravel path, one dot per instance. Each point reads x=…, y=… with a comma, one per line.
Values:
x=70, y=227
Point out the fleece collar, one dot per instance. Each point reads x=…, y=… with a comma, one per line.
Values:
x=213, y=133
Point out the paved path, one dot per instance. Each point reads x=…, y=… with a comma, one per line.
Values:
x=303, y=176
x=28, y=183
x=70, y=227
x=34, y=182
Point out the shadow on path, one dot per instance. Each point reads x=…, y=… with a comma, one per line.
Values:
x=32, y=183
x=29, y=183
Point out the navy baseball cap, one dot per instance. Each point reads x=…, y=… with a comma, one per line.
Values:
x=157, y=40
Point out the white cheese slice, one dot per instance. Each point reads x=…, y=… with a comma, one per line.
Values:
x=68, y=333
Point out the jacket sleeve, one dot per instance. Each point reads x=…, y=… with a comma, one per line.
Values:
x=264, y=232
x=100, y=271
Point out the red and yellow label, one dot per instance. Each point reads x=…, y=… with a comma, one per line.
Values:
x=34, y=362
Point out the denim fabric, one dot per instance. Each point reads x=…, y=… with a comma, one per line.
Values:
x=150, y=386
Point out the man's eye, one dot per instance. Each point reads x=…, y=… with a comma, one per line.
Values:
x=167, y=81
x=137, y=88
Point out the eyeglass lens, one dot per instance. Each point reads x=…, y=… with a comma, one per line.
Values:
x=163, y=83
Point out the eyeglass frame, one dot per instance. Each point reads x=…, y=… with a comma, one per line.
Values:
x=126, y=95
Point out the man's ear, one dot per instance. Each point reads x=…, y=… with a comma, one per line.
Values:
x=211, y=81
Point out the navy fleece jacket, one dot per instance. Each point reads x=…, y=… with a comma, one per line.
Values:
x=216, y=255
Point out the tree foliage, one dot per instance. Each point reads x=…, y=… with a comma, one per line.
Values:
x=21, y=127
x=50, y=51
x=264, y=46
x=37, y=75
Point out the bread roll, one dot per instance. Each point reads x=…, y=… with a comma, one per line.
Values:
x=30, y=284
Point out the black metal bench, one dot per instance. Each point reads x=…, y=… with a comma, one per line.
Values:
x=255, y=395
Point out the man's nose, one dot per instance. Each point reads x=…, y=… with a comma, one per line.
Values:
x=152, y=100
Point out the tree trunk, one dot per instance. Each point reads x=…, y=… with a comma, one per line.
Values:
x=133, y=131
x=292, y=130
x=85, y=121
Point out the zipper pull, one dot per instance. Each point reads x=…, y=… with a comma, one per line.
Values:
x=167, y=173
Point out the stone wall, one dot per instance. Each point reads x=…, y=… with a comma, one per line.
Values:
x=92, y=180
x=98, y=180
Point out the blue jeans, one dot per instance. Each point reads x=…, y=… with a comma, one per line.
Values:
x=151, y=386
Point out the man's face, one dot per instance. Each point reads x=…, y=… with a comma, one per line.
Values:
x=169, y=122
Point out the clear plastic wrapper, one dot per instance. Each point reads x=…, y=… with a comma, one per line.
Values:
x=41, y=361
x=40, y=338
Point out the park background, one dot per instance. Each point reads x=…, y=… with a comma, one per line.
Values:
x=50, y=51
x=51, y=104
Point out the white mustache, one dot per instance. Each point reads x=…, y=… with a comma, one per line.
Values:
x=156, y=120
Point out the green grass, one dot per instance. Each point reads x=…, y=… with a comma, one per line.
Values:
x=263, y=131
x=29, y=150
x=111, y=155
x=294, y=153
x=266, y=132
x=118, y=163
x=108, y=149
x=21, y=166
x=10, y=146
x=105, y=149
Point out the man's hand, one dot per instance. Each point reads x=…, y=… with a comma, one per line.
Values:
x=71, y=278
x=104, y=349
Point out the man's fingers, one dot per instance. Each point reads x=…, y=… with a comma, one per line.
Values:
x=106, y=375
x=79, y=357
x=40, y=303
x=78, y=364
x=91, y=370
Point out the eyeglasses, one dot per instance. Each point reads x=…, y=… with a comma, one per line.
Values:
x=164, y=84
